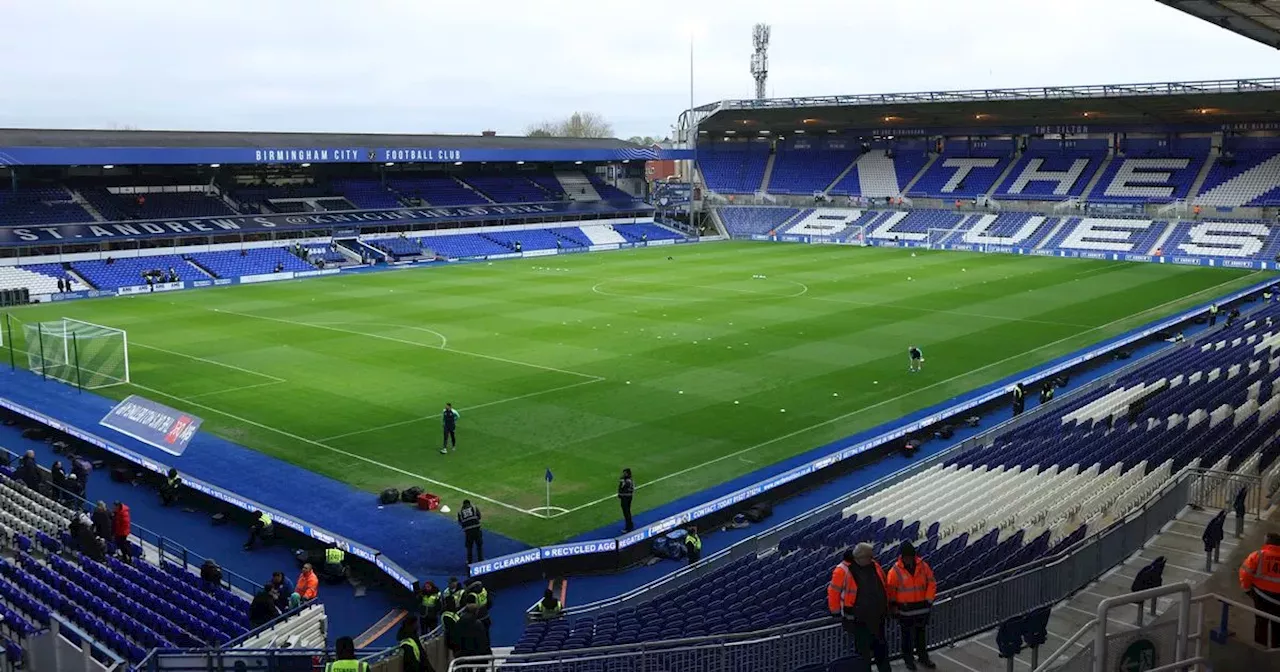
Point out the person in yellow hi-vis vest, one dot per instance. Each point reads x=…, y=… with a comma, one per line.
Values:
x=345, y=657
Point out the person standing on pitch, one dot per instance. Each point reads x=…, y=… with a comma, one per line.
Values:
x=450, y=419
x=917, y=359
x=469, y=521
x=626, y=489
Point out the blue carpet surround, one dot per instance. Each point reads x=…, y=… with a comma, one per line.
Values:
x=426, y=545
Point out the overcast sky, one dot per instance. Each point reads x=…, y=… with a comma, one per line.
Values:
x=424, y=66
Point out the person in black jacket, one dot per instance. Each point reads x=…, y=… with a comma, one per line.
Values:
x=101, y=520
x=473, y=536
x=29, y=471
x=58, y=478
x=211, y=574
x=263, y=608
x=626, y=490
x=411, y=653
x=80, y=469
x=473, y=637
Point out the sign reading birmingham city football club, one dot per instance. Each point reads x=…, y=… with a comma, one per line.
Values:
x=153, y=423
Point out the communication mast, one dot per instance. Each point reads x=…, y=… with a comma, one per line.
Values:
x=760, y=59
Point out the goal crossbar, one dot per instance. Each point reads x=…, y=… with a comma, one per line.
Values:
x=79, y=353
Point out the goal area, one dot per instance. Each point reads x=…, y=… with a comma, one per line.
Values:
x=854, y=235
x=89, y=356
x=939, y=237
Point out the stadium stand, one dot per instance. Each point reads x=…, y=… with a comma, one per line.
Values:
x=253, y=198
x=572, y=236
x=40, y=205
x=1029, y=492
x=608, y=192
x=965, y=169
x=800, y=167
x=462, y=245
x=249, y=261
x=1151, y=171
x=747, y=220
x=329, y=254
x=368, y=194
x=646, y=232
x=1247, y=173
x=398, y=247
x=127, y=272
x=733, y=167
x=442, y=191
x=38, y=278
x=156, y=205
x=508, y=189
x=130, y=608
x=529, y=239
x=1053, y=169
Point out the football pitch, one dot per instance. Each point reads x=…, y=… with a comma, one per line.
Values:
x=690, y=370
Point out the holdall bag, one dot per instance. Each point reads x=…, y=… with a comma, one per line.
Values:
x=389, y=496
x=428, y=502
x=409, y=495
x=35, y=433
x=759, y=512
x=121, y=474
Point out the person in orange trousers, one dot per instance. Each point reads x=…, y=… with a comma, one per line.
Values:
x=308, y=585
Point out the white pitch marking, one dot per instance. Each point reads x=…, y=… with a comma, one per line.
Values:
x=339, y=451
x=469, y=408
x=242, y=388
x=210, y=361
x=413, y=343
x=900, y=397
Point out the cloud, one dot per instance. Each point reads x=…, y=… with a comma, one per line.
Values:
x=420, y=66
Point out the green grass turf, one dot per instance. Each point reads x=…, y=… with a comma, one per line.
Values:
x=580, y=368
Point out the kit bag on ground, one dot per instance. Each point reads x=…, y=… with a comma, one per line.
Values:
x=35, y=433
x=410, y=495
x=759, y=512
x=389, y=496
x=121, y=474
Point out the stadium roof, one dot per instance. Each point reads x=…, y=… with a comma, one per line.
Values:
x=1200, y=103
x=33, y=137
x=1255, y=19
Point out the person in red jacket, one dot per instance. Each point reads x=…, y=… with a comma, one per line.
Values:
x=121, y=527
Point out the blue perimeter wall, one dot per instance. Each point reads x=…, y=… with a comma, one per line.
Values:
x=428, y=546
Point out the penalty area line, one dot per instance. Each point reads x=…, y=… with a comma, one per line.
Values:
x=839, y=418
x=468, y=408
x=339, y=451
x=209, y=361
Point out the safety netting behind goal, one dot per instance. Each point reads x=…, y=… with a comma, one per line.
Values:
x=79, y=353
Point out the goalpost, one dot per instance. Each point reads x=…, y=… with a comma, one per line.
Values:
x=87, y=355
x=854, y=235
x=940, y=237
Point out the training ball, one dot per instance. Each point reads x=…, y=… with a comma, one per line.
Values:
x=908, y=277
x=784, y=410
x=628, y=382
x=875, y=382
x=835, y=394
x=963, y=270
x=681, y=392
x=735, y=403
x=444, y=508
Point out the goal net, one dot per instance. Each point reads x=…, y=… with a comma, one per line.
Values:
x=854, y=235
x=939, y=237
x=79, y=353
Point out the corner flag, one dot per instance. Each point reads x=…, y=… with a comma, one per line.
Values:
x=549, y=476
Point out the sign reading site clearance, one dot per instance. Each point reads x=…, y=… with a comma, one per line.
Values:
x=153, y=423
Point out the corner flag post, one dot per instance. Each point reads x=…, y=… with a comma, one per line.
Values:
x=549, y=478
x=8, y=334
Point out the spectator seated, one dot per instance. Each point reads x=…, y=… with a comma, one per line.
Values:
x=127, y=271
x=37, y=205
x=367, y=194
x=748, y=220
x=250, y=261
x=509, y=189
x=733, y=167
x=440, y=191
